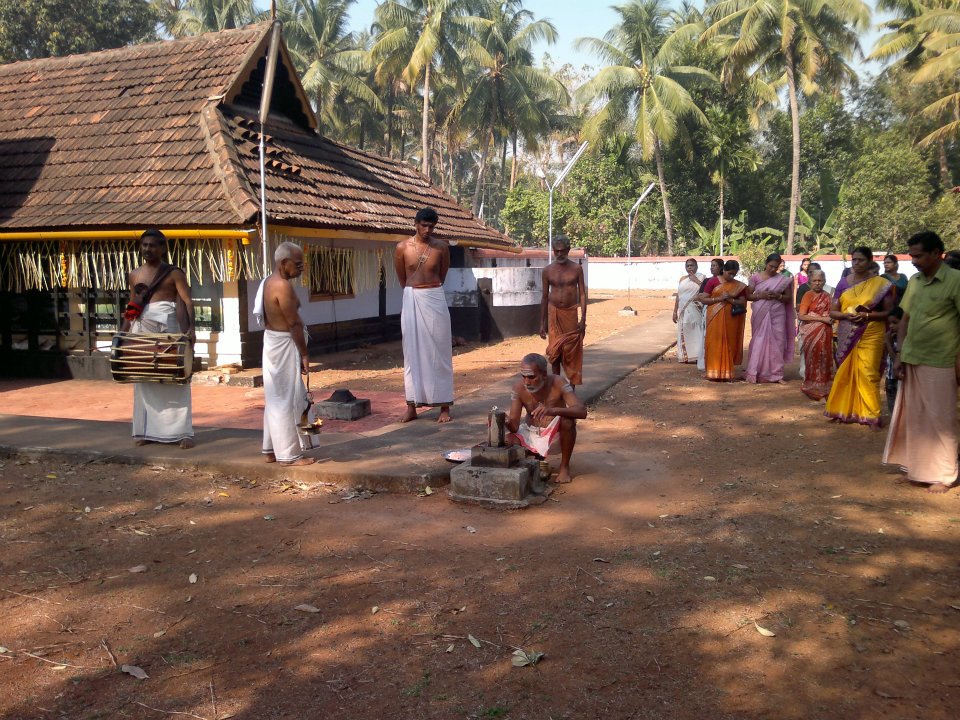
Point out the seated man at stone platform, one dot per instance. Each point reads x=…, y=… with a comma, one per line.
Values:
x=552, y=410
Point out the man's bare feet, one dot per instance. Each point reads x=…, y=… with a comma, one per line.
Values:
x=410, y=414
x=563, y=476
x=300, y=461
x=140, y=441
x=938, y=488
x=444, y=415
x=186, y=443
x=271, y=458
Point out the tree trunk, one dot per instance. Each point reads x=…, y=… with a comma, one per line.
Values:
x=720, y=253
x=478, y=190
x=513, y=162
x=425, y=131
x=667, y=220
x=503, y=162
x=795, y=169
x=388, y=139
x=945, y=180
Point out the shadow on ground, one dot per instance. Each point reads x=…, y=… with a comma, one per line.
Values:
x=700, y=514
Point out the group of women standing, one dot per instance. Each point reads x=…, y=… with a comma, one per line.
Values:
x=711, y=317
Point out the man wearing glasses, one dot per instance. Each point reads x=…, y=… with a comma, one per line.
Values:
x=285, y=357
x=552, y=410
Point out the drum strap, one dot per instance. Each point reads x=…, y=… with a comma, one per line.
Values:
x=139, y=302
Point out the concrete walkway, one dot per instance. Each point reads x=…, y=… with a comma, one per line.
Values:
x=394, y=458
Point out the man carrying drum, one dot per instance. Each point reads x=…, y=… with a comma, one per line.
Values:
x=160, y=302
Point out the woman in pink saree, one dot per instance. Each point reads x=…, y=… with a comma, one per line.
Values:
x=772, y=326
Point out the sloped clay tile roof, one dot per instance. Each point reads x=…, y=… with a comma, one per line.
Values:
x=113, y=138
x=320, y=183
x=143, y=136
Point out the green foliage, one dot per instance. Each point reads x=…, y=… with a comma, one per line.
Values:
x=943, y=217
x=42, y=28
x=590, y=207
x=886, y=198
x=752, y=257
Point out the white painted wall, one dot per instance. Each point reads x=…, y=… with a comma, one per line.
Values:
x=512, y=286
x=665, y=273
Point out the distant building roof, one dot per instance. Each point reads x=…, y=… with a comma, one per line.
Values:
x=165, y=134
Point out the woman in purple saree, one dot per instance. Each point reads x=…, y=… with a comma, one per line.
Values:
x=772, y=325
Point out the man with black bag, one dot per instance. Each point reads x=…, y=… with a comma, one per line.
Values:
x=160, y=302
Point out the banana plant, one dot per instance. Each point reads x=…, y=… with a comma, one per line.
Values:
x=817, y=238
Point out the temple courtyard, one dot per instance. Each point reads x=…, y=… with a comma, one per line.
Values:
x=723, y=552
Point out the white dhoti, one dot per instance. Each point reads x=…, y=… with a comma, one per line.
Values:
x=427, y=347
x=284, y=396
x=538, y=440
x=923, y=427
x=161, y=412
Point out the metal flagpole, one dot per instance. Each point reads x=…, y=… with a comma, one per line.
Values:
x=271, y=70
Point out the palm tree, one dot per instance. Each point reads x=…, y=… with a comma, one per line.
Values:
x=925, y=35
x=642, y=87
x=504, y=97
x=803, y=44
x=327, y=57
x=415, y=37
x=192, y=17
x=728, y=139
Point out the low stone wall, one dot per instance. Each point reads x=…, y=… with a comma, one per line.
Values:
x=663, y=273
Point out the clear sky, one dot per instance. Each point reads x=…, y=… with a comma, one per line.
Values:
x=573, y=19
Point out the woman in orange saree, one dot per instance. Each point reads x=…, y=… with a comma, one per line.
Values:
x=724, y=335
x=816, y=339
x=862, y=310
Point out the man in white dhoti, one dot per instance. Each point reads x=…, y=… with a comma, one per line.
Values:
x=421, y=263
x=922, y=438
x=160, y=302
x=552, y=411
x=285, y=357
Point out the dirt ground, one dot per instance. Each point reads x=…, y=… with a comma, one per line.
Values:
x=723, y=552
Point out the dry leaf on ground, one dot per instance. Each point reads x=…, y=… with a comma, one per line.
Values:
x=473, y=641
x=763, y=631
x=304, y=607
x=138, y=569
x=138, y=673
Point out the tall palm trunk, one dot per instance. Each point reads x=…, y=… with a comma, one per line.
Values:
x=513, y=161
x=795, y=168
x=667, y=220
x=478, y=190
x=388, y=133
x=945, y=180
x=425, y=130
x=720, y=249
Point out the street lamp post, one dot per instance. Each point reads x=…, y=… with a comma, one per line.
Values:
x=560, y=177
x=643, y=196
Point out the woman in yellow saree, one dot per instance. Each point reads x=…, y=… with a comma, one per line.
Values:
x=862, y=310
x=724, y=335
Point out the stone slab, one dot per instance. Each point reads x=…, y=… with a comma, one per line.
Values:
x=353, y=410
x=502, y=457
x=498, y=487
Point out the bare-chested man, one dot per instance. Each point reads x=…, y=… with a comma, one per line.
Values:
x=285, y=357
x=552, y=410
x=161, y=412
x=422, y=263
x=564, y=289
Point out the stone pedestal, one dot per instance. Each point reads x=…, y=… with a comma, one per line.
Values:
x=342, y=405
x=517, y=486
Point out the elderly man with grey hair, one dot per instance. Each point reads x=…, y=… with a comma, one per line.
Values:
x=285, y=357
